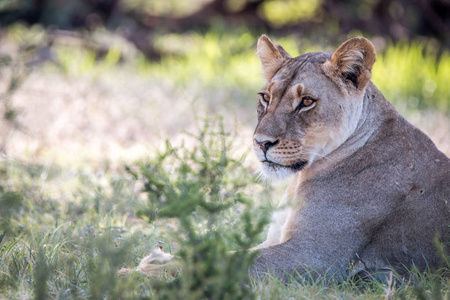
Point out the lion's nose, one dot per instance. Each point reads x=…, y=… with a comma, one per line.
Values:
x=265, y=145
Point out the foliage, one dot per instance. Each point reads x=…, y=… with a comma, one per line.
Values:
x=10, y=205
x=66, y=236
x=413, y=74
x=280, y=13
x=62, y=247
x=200, y=189
x=410, y=75
x=169, y=7
x=216, y=60
x=15, y=68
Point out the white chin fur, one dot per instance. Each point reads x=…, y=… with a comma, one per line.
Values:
x=274, y=173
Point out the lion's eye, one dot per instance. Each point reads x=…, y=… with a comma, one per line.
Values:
x=307, y=102
x=265, y=97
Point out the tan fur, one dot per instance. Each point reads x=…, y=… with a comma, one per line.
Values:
x=356, y=56
x=368, y=189
x=271, y=56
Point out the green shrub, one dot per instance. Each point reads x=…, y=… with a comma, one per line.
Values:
x=10, y=205
x=198, y=188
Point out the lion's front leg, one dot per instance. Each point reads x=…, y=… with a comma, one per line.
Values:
x=283, y=261
x=276, y=229
x=321, y=239
x=290, y=260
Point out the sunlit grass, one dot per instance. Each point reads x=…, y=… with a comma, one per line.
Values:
x=413, y=74
x=408, y=74
x=66, y=235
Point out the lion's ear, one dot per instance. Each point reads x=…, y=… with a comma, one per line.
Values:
x=271, y=56
x=353, y=62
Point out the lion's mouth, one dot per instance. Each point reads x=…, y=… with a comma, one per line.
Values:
x=295, y=167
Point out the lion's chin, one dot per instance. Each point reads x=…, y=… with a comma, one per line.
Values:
x=276, y=172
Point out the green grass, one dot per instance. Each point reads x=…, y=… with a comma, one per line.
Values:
x=62, y=232
x=66, y=235
x=410, y=75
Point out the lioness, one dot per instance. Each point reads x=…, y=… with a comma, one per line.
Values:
x=370, y=192
x=368, y=189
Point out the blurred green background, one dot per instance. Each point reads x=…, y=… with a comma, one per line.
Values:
x=171, y=54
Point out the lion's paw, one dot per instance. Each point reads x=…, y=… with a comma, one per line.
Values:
x=156, y=263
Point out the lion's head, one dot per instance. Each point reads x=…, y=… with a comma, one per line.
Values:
x=310, y=105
